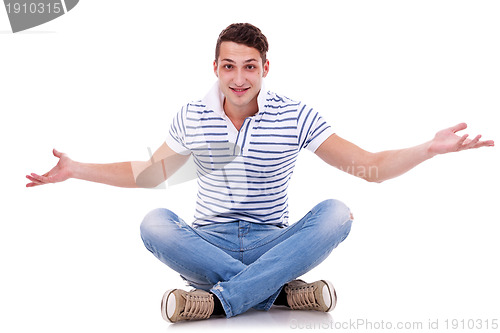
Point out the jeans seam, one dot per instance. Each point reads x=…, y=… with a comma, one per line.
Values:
x=217, y=245
x=278, y=236
x=225, y=304
x=177, y=263
x=319, y=260
x=188, y=228
x=272, y=300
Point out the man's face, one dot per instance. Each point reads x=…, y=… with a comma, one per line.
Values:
x=240, y=72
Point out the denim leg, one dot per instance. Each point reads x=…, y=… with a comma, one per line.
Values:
x=179, y=246
x=297, y=250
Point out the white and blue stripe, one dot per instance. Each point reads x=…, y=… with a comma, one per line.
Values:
x=244, y=175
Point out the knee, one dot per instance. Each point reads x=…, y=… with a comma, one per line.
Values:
x=334, y=208
x=156, y=220
x=337, y=215
x=150, y=220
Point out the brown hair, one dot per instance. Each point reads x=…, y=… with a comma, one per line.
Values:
x=246, y=34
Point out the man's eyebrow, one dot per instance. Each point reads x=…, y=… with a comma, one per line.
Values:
x=232, y=61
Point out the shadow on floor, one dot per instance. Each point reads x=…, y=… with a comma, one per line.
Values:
x=276, y=318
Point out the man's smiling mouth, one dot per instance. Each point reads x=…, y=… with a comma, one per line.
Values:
x=239, y=89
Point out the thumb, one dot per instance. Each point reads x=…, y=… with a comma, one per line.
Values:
x=458, y=127
x=56, y=153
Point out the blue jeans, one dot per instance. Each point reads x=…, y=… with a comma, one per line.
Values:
x=245, y=264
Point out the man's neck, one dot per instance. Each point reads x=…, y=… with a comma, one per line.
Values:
x=238, y=115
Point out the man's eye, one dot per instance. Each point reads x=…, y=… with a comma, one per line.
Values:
x=250, y=67
x=228, y=66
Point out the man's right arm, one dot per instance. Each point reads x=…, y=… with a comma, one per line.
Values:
x=151, y=173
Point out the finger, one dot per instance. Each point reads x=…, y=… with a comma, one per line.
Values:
x=56, y=153
x=458, y=127
x=474, y=141
x=461, y=141
x=33, y=181
x=468, y=143
x=41, y=179
x=32, y=184
x=487, y=143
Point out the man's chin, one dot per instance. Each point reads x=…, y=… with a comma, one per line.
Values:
x=237, y=103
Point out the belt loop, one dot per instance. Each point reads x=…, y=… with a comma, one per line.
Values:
x=243, y=228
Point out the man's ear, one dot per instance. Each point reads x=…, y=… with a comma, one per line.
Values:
x=266, y=68
x=216, y=67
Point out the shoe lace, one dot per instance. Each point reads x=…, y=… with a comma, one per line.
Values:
x=301, y=298
x=198, y=306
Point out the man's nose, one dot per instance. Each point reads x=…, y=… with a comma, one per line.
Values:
x=239, y=78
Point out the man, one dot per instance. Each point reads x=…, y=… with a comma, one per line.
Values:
x=240, y=251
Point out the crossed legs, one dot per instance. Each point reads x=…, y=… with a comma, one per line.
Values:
x=252, y=274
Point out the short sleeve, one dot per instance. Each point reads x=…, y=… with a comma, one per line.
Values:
x=176, y=138
x=313, y=129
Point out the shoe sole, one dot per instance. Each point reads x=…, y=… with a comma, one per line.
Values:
x=332, y=293
x=167, y=296
x=165, y=304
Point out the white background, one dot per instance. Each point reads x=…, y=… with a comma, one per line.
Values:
x=102, y=83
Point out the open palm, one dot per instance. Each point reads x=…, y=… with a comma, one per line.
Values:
x=58, y=173
x=447, y=141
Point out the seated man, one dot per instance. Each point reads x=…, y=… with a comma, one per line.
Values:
x=240, y=252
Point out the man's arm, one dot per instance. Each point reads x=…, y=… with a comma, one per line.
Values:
x=377, y=167
x=151, y=173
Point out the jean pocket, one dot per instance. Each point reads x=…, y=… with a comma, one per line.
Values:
x=221, y=236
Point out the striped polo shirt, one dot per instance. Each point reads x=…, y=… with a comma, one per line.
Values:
x=243, y=175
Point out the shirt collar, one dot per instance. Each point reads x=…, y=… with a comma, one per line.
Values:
x=214, y=99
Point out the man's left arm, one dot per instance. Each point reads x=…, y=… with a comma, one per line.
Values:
x=378, y=167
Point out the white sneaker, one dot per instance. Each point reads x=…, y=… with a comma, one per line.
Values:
x=319, y=295
x=177, y=305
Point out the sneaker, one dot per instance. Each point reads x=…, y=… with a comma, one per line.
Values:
x=319, y=295
x=177, y=305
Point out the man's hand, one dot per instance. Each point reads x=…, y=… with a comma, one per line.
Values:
x=59, y=173
x=447, y=141
x=132, y=174
x=378, y=167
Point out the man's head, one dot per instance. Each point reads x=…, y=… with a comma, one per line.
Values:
x=241, y=65
x=246, y=34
